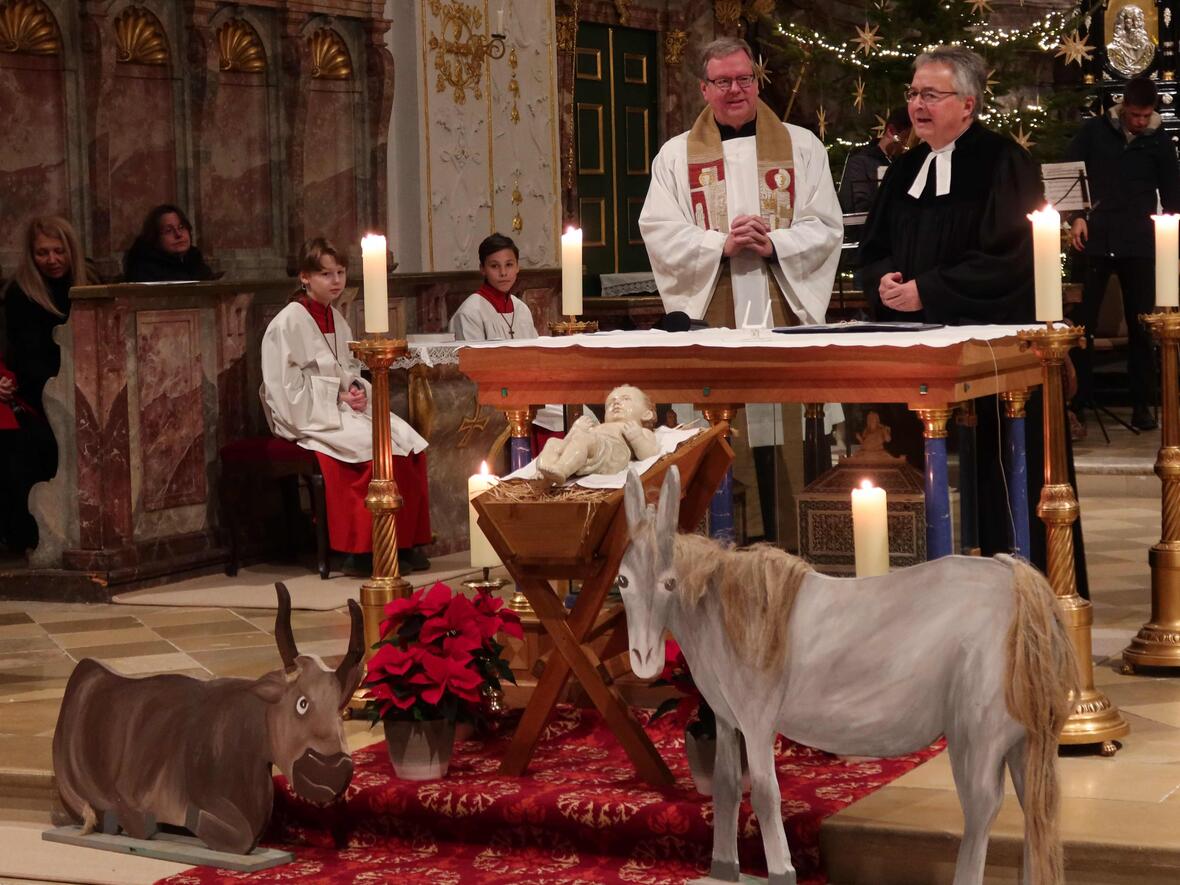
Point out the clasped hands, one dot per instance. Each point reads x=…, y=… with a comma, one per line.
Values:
x=899, y=295
x=7, y=389
x=355, y=398
x=748, y=232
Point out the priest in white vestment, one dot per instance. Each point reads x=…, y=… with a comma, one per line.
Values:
x=743, y=228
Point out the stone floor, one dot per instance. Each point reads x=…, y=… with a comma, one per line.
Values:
x=1117, y=812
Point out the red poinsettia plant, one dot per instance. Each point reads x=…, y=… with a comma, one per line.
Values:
x=691, y=709
x=438, y=656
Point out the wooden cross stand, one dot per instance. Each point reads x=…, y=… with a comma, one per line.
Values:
x=543, y=540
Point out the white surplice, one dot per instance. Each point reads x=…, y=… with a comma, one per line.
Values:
x=477, y=320
x=686, y=259
x=304, y=372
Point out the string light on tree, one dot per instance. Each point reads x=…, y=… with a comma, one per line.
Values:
x=1075, y=49
x=866, y=39
x=858, y=96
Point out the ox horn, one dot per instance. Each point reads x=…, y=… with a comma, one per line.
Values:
x=284, y=638
x=348, y=673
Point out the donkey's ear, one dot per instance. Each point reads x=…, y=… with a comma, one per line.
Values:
x=668, y=514
x=634, y=501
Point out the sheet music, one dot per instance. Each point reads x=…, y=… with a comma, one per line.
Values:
x=1065, y=186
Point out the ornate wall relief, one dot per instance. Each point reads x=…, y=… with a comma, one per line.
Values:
x=28, y=26
x=140, y=38
x=329, y=56
x=239, y=48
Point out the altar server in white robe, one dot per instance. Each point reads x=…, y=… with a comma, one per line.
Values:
x=743, y=228
x=493, y=313
x=313, y=394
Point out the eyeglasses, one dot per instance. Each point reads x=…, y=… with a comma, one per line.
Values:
x=724, y=83
x=928, y=96
x=171, y=231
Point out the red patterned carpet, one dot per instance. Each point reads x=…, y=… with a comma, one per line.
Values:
x=580, y=817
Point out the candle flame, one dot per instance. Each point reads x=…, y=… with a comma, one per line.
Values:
x=866, y=484
x=483, y=468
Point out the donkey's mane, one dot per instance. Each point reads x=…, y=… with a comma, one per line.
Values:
x=756, y=588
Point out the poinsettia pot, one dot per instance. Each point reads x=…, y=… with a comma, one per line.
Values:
x=420, y=750
x=702, y=751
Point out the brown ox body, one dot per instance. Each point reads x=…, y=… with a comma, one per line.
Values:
x=170, y=749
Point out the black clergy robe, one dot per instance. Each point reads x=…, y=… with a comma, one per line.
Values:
x=970, y=252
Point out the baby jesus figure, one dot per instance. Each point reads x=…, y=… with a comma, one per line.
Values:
x=609, y=447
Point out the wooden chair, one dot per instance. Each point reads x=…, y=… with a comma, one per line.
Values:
x=243, y=463
x=555, y=539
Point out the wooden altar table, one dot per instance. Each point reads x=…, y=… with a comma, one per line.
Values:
x=721, y=369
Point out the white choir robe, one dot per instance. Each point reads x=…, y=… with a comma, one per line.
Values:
x=686, y=259
x=302, y=380
x=477, y=320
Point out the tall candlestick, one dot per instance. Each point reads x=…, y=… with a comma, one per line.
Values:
x=1047, y=263
x=376, y=292
x=1167, y=260
x=571, y=272
x=482, y=554
x=870, y=530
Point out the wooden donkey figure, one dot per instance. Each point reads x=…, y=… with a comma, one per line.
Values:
x=970, y=648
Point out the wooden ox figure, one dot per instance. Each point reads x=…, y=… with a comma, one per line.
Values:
x=970, y=648
x=171, y=749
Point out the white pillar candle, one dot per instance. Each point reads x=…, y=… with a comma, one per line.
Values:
x=500, y=21
x=482, y=554
x=1167, y=260
x=1047, y=263
x=376, y=283
x=571, y=272
x=870, y=530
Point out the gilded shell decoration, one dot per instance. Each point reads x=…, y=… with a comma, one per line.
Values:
x=329, y=56
x=27, y=26
x=139, y=38
x=240, y=48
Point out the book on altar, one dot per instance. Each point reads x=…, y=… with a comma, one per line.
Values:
x=857, y=326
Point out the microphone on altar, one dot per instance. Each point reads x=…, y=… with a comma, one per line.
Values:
x=678, y=321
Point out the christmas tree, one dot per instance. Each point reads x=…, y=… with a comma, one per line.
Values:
x=841, y=80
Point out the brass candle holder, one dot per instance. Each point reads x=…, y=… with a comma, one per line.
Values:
x=1158, y=641
x=571, y=325
x=1094, y=720
x=487, y=582
x=382, y=499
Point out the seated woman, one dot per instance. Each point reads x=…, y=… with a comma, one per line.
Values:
x=36, y=301
x=493, y=313
x=164, y=250
x=313, y=394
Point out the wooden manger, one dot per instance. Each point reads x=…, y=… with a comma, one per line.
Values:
x=581, y=534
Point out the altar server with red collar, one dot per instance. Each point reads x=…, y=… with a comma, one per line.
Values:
x=313, y=394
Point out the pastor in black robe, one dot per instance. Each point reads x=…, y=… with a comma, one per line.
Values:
x=970, y=252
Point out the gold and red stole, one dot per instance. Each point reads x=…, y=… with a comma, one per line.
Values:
x=706, y=171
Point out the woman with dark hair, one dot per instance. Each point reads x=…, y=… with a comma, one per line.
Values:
x=36, y=301
x=164, y=250
x=313, y=394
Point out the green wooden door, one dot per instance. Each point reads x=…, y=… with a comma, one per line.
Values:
x=615, y=104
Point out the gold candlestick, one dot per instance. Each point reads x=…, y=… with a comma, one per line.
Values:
x=1094, y=720
x=571, y=325
x=1158, y=641
x=382, y=499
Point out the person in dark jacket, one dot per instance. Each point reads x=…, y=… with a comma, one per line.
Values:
x=862, y=170
x=1129, y=158
x=36, y=301
x=164, y=250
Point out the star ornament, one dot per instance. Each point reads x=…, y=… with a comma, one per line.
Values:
x=1075, y=49
x=991, y=82
x=821, y=122
x=858, y=96
x=879, y=129
x=866, y=39
x=1022, y=138
x=762, y=72
x=980, y=7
